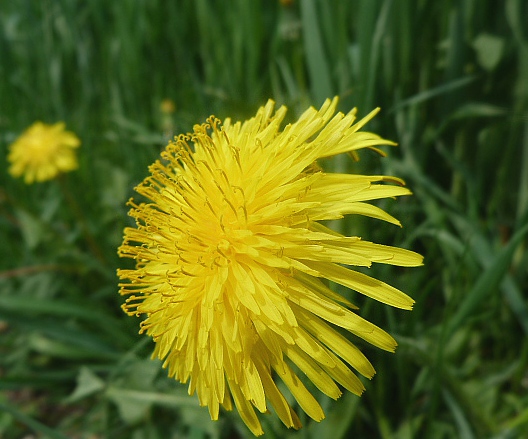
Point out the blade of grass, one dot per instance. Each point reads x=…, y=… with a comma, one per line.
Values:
x=163, y=399
x=320, y=79
x=522, y=204
x=55, y=338
x=340, y=417
x=371, y=67
x=488, y=282
x=31, y=423
x=434, y=92
x=463, y=424
x=521, y=420
x=65, y=309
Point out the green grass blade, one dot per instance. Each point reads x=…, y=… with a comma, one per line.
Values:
x=487, y=283
x=318, y=67
x=463, y=424
x=522, y=209
x=65, y=309
x=31, y=423
x=430, y=93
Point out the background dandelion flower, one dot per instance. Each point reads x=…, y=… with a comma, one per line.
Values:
x=231, y=257
x=42, y=152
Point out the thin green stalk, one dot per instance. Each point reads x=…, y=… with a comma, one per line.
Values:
x=79, y=215
x=23, y=271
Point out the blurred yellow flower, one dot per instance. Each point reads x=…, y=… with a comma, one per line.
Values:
x=42, y=152
x=232, y=261
x=167, y=106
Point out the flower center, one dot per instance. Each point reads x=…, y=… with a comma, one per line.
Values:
x=40, y=148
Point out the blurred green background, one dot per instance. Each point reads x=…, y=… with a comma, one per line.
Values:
x=451, y=78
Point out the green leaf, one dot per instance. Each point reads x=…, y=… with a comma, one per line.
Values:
x=489, y=50
x=487, y=283
x=33, y=229
x=478, y=109
x=31, y=423
x=315, y=54
x=133, y=405
x=71, y=345
x=459, y=415
x=88, y=383
x=13, y=305
x=434, y=92
x=340, y=418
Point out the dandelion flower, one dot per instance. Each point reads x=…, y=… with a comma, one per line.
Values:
x=42, y=152
x=167, y=106
x=232, y=258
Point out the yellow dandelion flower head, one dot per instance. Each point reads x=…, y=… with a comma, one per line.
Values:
x=42, y=152
x=167, y=106
x=231, y=261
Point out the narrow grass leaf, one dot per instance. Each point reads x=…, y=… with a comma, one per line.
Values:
x=522, y=203
x=478, y=109
x=65, y=309
x=31, y=423
x=485, y=255
x=321, y=84
x=521, y=420
x=487, y=283
x=464, y=428
x=431, y=93
x=340, y=418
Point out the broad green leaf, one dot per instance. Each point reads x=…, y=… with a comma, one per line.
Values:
x=489, y=50
x=88, y=383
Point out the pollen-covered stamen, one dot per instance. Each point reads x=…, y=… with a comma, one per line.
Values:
x=211, y=183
